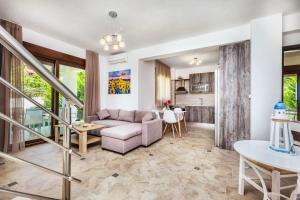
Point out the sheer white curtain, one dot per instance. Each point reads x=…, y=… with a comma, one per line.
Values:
x=162, y=83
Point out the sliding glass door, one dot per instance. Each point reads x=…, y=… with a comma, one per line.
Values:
x=37, y=88
x=70, y=71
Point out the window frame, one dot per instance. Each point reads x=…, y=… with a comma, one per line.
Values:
x=56, y=58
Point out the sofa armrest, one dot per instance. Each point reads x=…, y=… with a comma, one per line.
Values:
x=151, y=131
x=91, y=118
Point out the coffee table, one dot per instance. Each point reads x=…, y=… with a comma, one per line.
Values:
x=83, y=139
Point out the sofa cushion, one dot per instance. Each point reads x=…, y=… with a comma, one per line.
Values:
x=114, y=113
x=123, y=132
x=147, y=117
x=110, y=123
x=125, y=115
x=139, y=115
x=103, y=114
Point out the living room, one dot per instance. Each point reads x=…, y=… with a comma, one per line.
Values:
x=162, y=104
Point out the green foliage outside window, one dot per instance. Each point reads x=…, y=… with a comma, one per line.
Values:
x=290, y=95
x=35, y=86
x=80, y=92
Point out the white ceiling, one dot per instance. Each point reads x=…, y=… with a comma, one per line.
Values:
x=209, y=57
x=144, y=23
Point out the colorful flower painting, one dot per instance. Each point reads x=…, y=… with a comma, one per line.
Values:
x=119, y=82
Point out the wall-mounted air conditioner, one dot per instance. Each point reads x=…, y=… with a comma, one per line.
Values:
x=123, y=58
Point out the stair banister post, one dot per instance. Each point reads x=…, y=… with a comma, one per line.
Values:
x=66, y=190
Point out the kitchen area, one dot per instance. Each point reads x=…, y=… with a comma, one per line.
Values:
x=193, y=84
x=195, y=95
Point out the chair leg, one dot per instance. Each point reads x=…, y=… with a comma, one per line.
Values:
x=165, y=128
x=275, y=184
x=176, y=129
x=241, y=176
x=173, y=130
x=185, y=124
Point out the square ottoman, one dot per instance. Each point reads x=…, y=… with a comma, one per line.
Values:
x=122, y=138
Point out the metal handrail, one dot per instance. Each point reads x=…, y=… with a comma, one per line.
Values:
x=50, y=171
x=9, y=119
x=23, y=54
x=10, y=86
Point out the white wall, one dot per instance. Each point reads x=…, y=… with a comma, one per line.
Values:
x=124, y=101
x=291, y=29
x=266, y=53
x=147, y=83
x=52, y=43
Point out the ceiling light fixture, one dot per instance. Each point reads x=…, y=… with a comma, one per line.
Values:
x=196, y=61
x=112, y=41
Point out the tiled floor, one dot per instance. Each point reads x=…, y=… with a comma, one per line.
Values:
x=180, y=168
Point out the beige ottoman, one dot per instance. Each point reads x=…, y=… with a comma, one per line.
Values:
x=123, y=138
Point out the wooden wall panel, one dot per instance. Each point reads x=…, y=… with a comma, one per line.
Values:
x=234, y=93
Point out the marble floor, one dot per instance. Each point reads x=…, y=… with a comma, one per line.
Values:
x=172, y=168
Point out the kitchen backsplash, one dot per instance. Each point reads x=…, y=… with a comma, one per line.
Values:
x=195, y=99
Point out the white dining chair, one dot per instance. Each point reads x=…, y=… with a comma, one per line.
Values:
x=169, y=117
x=181, y=117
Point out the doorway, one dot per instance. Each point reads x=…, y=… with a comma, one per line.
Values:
x=70, y=71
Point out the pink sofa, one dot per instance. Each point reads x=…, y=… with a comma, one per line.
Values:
x=127, y=130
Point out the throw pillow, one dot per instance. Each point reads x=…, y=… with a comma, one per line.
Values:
x=125, y=115
x=103, y=114
x=114, y=113
x=147, y=117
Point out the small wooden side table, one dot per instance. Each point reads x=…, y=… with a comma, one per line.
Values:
x=57, y=128
x=84, y=139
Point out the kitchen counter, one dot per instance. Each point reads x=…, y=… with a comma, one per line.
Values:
x=200, y=114
x=202, y=105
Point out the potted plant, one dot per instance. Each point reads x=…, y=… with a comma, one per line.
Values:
x=167, y=104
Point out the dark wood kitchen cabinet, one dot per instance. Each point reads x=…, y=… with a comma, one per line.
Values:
x=202, y=83
x=200, y=114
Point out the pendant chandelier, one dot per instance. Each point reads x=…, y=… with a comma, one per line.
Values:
x=113, y=41
x=196, y=61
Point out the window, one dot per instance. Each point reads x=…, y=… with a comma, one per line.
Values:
x=291, y=81
x=74, y=79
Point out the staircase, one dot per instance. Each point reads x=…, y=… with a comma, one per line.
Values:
x=19, y=51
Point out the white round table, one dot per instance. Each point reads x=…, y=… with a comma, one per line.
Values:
x=260, y=152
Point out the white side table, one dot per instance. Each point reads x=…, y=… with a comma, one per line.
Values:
x=260, y=152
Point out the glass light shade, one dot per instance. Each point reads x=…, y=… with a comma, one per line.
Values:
x=115, y=47
x=119, y=37
x=108, y=38
x=192, y=62
x=122, y=44
x=106, y=48
x=102, y=41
